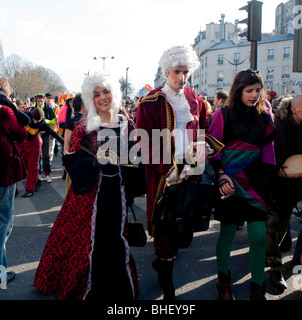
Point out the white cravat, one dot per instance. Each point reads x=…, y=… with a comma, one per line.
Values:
x=182, y=117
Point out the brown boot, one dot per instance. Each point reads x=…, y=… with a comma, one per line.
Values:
x=257, y=292
x=224, y=286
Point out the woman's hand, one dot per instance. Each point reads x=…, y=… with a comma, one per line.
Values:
x=226, y=185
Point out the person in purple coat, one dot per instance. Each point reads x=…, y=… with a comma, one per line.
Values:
x=244, y=169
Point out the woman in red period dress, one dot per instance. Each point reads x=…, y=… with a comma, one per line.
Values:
x=87, y=254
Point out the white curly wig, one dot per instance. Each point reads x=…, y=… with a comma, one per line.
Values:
x=103, y=80
x=179, y=56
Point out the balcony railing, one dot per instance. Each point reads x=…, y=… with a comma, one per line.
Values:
x=285, y=76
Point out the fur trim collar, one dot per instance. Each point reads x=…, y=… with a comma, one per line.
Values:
x=283, y=108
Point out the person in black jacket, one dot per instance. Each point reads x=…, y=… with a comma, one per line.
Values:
x=32, y=147
x=50, y=119
x=22, y=118
x=287, y=190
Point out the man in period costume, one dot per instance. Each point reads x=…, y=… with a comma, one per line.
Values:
x=176, y=108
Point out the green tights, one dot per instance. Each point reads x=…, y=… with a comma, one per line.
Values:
x=256, y=237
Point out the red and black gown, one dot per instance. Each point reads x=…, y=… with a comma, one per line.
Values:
x=87, y=254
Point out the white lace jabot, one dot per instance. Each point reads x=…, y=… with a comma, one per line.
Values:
x=182, y=116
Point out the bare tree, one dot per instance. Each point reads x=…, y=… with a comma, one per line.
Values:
x=53, y=81
x=1, y=53
x=28, y=79
x=124, y=84
x=11, y=67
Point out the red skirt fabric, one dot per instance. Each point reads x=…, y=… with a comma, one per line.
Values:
x=65, y=265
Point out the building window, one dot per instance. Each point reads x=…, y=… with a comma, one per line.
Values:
x=236, y=57
x=220, y=59
x=205, y=79
x=269, y=88
x=202, y=63
x=285, y=89
x=286, y=52
x=285, y=72
x=270, y=73
x=220, y=76
x=270, y=54
x=206, y=61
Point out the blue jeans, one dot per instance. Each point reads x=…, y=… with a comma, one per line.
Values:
x=7, y=199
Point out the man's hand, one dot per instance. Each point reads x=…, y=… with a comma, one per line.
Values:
x=172, y=176
x=199, y=152
x=281, y=172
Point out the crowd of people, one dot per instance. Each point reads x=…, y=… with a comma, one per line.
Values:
x=87, y=253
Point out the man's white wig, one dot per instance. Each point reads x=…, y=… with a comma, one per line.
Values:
x=103, y=80
x=179, y=56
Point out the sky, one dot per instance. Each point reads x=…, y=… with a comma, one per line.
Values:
x=65, y=35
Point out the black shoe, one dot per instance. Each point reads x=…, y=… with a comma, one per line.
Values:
x=27, y=194
x=277, y=280
x=38, y=185
x=164, y=269
x=10, y=276
x=64, y=175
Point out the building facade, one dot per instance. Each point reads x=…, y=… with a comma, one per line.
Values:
x=223, y=53
x=284, y=17
x=221, y=62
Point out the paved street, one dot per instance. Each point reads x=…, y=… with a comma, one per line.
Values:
x=195, y=267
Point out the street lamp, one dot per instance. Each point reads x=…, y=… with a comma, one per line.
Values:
x=126, y=81
x=236, y=63
x=103, y=58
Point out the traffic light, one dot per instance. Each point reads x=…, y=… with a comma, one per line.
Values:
x=253, y=21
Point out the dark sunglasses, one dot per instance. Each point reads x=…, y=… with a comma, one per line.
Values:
x=252, y=71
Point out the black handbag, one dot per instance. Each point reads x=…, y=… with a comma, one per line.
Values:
x=185, y=208
x=82, y=169
x=136, y=235
x=135, y=180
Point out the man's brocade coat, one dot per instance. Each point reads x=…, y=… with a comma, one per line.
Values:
x=156, y=112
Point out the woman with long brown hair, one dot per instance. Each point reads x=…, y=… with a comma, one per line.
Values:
x=246, y=128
